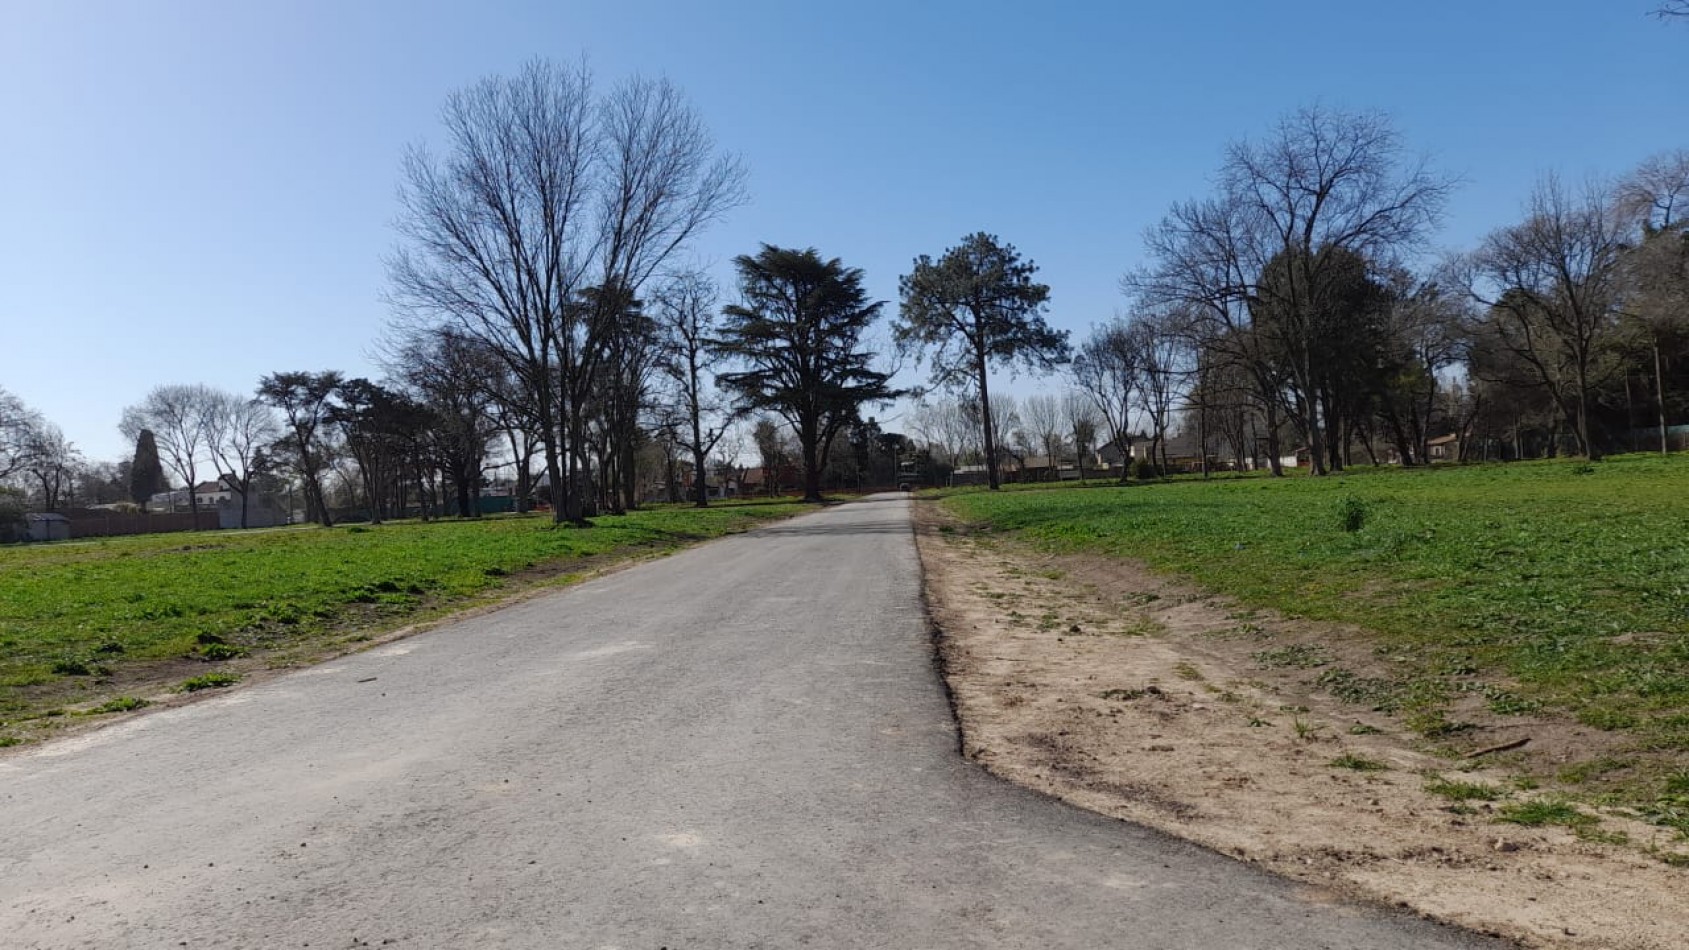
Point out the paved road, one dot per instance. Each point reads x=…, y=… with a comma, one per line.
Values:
x=743, y=745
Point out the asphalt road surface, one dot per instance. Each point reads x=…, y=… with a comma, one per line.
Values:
x=743, y=745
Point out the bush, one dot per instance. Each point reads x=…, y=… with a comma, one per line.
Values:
x=1351, y=513
x=1144, y=470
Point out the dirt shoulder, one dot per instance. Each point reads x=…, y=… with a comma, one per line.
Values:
x=1101, y=683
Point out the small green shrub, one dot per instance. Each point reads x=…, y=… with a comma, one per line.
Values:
x=1351, y=514
x=122, y=704
x=215, y=652
x=6, y=742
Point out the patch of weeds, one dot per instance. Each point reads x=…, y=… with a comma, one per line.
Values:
x=1124, y=695
x=1545, y=811
x=6, y=742
x=1186, y=671
x=1464, y=791
x=109, y=648
x=1675, y=859
x=494, y=572
x=121, y=704
x=1305, y=730
x=1301, y=656
x=216, y=652
x=1601, y=835
x=1432, y=724
x=79, y=666
x=1593, y=768
x=1607, y=720
x=1458, y=664
x=1362, y=729
x=1503, y=703
x=1380, y=694
x=1358, y=763
x=1256, y=722
x=209, y=681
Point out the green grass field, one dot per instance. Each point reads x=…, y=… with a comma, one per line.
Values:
x=1567, y=581
x=79, y=618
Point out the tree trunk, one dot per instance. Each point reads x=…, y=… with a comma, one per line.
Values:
x=990, y=425
x=1660, y=397
x=809, y=439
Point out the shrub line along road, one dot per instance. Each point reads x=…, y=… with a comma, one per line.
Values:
x=742, y=745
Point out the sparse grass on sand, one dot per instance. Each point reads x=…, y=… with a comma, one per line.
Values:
x=1547, y=588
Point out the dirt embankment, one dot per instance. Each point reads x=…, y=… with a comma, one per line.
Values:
x=1120, y=691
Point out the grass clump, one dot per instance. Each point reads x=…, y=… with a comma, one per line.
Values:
x=121, y=704
x=1358, y=763
x=209, y=681
x=1352, y=514
x=1545, y=811
x=1462, y=792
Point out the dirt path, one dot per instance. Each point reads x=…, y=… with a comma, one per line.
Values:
x=1117, y=690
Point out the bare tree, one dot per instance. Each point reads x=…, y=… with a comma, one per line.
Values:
x=18, y=425
x=177, y=415
x=1081, y=415
x=239, y=433
x=947, y=429
x=1160, y=346
x=1672, y=8
x=53, y=465
x=1323, y=188
x=1109, y=371
x=1656, y=198
x=1045, y=424
x=685, y=307
x=1324, y=185
x=1205, y=261
x=1552, y=284
x=550, y=189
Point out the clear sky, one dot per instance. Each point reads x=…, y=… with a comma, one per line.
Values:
x=203, y=192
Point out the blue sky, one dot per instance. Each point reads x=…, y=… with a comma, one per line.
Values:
x=203, y=192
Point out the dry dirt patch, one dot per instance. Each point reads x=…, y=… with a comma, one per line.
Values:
x=1120, y=691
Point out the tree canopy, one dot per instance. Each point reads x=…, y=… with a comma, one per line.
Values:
x=976, y=307
x=797, y=332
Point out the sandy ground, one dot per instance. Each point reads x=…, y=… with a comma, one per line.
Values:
x=1100, y=683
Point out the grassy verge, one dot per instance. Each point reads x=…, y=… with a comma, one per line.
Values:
x=89, y=627
x=1556, y=588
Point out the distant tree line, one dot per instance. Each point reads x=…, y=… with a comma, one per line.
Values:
x=1296, y=314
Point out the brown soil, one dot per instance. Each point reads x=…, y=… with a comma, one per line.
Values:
x=1121, y=691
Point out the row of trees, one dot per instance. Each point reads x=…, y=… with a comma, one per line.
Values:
x=1298, y=301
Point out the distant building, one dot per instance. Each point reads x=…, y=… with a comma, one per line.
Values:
x=46, y=527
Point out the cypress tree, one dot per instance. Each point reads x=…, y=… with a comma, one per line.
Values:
x=146, y=473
